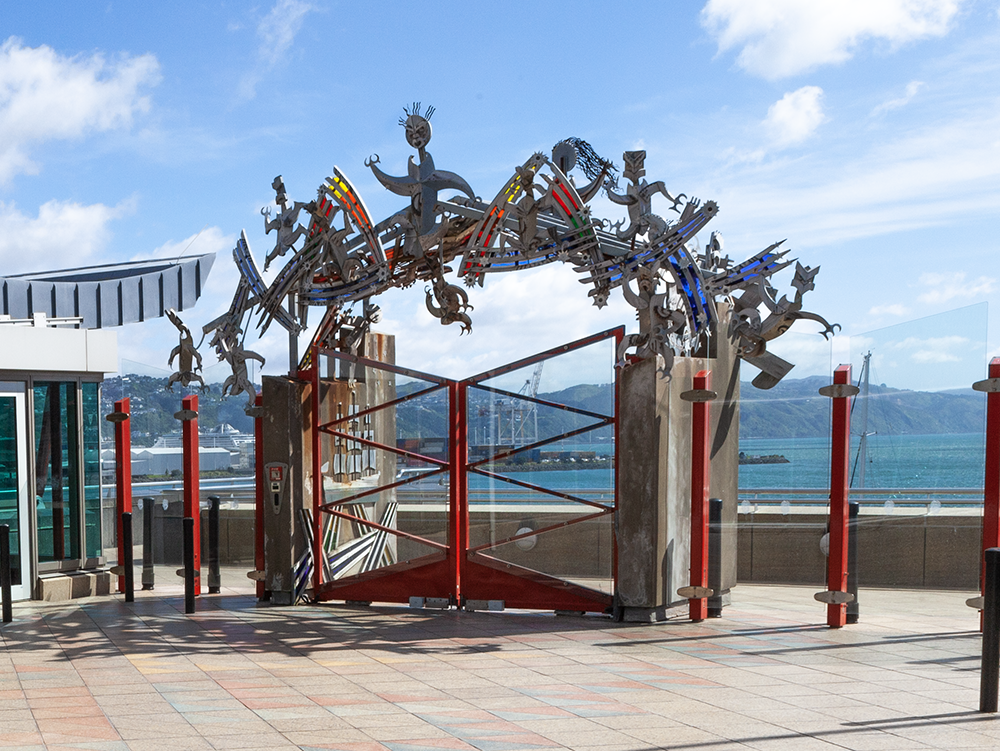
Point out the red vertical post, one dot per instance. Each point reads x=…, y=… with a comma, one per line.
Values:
x=991, y=496
x=258, y=509
x=123, y=477
x=192, y=486
x=317, y=478
x=619, y=335
x=836, y=575
x=458, y=452
x=700, y=473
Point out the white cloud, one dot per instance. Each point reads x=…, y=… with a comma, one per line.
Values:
x=892, y=104
x=933, y=356
x=889, y=310
x=942, y=287
x=515, y=315
x=45, y=96
x=928, y=177
x=63, y=235
x=276, y=32
x=795, y=117
x=936, y=349
x=779, y=38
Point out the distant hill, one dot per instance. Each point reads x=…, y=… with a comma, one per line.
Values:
x=795, y=408
x=153, y=407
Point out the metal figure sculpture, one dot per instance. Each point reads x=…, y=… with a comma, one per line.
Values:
x=284, y=222
x=638, y=198
x=239, y=382
x=539, y=216
x=187, y=354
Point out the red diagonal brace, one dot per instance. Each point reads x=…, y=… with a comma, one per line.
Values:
x=700, y=474
x=123, y=478
x=836, y=573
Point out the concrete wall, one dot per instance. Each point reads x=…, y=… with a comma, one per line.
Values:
x=936, y=551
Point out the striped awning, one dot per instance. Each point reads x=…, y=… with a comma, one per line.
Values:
x=109, y=295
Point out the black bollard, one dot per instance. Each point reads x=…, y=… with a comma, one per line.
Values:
x=188, y=564
x=852, y=560
x=214, y=578
x=8, y=614
x=989, y=678
x=148, y=578
x=715, y=557
x=127, y=562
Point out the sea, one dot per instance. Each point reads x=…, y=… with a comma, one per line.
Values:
x=941, y=461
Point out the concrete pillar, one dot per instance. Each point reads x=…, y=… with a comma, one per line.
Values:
x=654, y=503
x=286, y=403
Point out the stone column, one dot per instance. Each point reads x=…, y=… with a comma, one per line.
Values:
x=654, y=502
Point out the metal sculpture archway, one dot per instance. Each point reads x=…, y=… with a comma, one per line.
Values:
x=340, y=256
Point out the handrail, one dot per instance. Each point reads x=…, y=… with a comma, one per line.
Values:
x=863, y=491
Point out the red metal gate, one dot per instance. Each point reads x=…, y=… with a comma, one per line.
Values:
x=425, y=532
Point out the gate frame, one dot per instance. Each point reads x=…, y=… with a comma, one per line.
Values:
x=465, y=572
x=483, y=575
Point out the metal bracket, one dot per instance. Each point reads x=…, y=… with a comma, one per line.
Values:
x=254, y=412
x=695, y=593
x=180, y=572
x=185, y=415
x=257, y=576
x=117, y=571
x=988, y=385
x=699, y=395
x=839, y=390
x=976, y=602
x=834, y=597
x=117, y=417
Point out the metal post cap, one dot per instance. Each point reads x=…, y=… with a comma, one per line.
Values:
x=695, y=593
x=699, y=395
x=839, y=390
x=834, y=597
x=988, y=385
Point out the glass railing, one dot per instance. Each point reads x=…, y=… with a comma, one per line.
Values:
x=916, y=461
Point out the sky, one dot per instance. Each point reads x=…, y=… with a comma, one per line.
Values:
x=866, y=134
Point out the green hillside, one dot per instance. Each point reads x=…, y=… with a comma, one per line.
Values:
x=795, y=408
x=792, y=408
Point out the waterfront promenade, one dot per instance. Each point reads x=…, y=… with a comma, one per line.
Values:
x=102, y=675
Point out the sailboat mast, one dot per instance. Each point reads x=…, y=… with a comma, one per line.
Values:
x=863, y=444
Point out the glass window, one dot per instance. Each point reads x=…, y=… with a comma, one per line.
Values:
x=57, y=485
x=90, y=397
x=9, y=482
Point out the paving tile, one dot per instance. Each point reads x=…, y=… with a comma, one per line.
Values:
x=767, y=676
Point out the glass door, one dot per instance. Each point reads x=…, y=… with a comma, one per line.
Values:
x=14, y=490
x=57, y=473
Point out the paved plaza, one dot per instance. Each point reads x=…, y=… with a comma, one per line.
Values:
x=102, y=675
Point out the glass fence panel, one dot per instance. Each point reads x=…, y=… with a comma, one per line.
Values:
x=916, y=461
x=917, y=458
x=541, y=453
x=383, y=449
x=227, y=460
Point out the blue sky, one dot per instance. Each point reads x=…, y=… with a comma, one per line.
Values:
x=866, y=133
